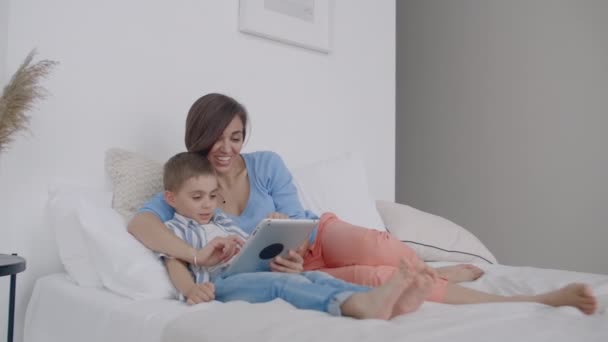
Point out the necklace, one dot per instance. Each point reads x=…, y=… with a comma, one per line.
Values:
x=243, y=169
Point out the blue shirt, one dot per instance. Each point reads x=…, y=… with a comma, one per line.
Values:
x=271, y=190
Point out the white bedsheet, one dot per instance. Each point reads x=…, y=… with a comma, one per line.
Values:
x=279, y=321
x=59, y=310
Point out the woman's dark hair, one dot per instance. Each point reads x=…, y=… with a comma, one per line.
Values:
x=208, y=118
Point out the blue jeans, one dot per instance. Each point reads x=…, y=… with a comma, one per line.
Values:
x=308, y=290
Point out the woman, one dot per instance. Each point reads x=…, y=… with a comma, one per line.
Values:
x=258, y=185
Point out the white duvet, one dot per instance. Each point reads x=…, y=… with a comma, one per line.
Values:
x=279, y=321
x=61, y=311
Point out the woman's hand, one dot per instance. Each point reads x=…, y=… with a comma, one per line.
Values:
x=200, y=293
x=292, y=263
x=275, y=215
x=303, y=248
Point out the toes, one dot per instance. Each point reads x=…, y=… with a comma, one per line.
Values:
x=583, y=291
x=418, y=265
x=425, y=280
x=589, y=310
x=431, y=273
x=586, y=290
x=405, y=265
x=587, y=301
x=475, y=271
x=472, y=267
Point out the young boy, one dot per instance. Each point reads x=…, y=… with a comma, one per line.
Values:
x=191, y=188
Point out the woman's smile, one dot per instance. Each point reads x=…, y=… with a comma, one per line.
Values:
x=223, y=161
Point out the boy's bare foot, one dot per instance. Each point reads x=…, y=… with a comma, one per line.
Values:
x=416, y=292
x=378, y=302
x=577, y=295
x=460, y=273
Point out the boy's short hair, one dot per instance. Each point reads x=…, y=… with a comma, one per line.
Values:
x=183, y=166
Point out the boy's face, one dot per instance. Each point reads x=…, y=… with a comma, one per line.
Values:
x=197, y=198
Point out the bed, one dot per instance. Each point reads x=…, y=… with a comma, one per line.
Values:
x=113, y=289
x=92, y=314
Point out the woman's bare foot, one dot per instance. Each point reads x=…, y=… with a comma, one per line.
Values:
x=577, y=295
x=416, y=292
x=460, y=273
x=378, y=302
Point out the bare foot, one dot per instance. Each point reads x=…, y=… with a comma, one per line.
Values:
x=378, y=302
x=460, y=273
x=577, y=295
x=416, y=292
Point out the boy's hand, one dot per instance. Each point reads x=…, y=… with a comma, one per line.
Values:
x=238, y=240
x=200, y=293
x=218, y=250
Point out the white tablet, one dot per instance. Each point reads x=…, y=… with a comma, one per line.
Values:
x=270, y=238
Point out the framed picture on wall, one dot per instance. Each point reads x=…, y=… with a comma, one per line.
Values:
x=304, y=23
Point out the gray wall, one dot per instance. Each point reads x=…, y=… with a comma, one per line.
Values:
x=502, y=124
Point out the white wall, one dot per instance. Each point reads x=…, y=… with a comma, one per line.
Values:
x=130, y=70
x=502, y=115
x=4, y=9
x=6, y=236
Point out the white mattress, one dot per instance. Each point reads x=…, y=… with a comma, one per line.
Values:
x=61, y=311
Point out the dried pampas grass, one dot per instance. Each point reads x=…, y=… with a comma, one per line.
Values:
x=20, y=95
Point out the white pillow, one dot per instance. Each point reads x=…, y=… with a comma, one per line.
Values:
x=338, y=185
x=63, y=201
x=124, y=265
x=434, y=238
x=135, y=179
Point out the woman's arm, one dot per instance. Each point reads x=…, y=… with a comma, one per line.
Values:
x=283, y=190
x=152, y=233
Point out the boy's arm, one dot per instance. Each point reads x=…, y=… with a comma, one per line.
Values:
x=180, y=275
x=182, y=280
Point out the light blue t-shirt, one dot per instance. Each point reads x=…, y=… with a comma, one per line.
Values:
x=271, y=190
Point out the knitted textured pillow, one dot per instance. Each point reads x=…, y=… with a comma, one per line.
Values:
x=135, y=179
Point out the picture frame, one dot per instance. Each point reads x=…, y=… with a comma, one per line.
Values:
x=303, y=23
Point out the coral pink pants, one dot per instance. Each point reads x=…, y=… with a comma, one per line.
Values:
x=360, y=255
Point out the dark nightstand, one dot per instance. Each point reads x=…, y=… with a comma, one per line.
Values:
x=11, y=265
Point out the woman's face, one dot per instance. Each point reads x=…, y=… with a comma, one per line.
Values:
x=224, y=153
